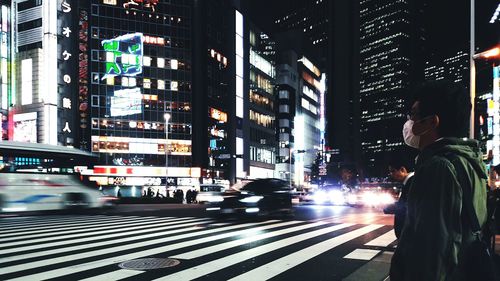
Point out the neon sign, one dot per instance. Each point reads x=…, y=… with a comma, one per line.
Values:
x=124, y=55
x=147, y=5
x=154, y=40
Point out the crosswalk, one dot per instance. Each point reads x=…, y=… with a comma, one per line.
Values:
x=91, y=248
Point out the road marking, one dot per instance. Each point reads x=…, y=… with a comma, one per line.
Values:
x=61, y=230
x=224, y=246
x=116, y=259
x=115, y=275
x=362, y=254
x=215, y=265
x=157, y=232
x=283, y=264
x=79, y=233
x=44, y=223
x=383, y=240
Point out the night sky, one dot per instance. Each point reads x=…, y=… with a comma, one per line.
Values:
x=447, y=21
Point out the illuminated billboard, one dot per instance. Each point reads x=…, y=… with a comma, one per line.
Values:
x=218, y=115
x=126, y=102
x=25, y=127
x=124, y=55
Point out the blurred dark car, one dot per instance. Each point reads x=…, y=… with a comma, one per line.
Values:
x=261, y=197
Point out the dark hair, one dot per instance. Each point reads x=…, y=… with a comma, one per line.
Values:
x=449, y=101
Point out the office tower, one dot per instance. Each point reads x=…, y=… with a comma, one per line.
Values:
x=140, y=88
x=391, y=42
x=454, y=68
x=213, y=90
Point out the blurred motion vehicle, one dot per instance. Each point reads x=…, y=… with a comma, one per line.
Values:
x=210, y=193
x=332, y=195
x=373, y=195
x=260, y=197
x=39, y=177
x=377, y=194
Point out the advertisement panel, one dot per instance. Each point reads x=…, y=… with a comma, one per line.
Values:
x=25, y=127
x=126, y=102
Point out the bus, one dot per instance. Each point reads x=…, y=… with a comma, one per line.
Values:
x=42, y=177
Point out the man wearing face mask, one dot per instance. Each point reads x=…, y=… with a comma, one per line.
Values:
x=435, y=231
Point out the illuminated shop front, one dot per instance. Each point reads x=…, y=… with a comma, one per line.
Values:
x=140, y=72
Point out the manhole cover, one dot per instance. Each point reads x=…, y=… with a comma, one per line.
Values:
x=147, y=264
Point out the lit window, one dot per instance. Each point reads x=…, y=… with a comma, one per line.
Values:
x=109, y=2
x=110, y=80
x=26, y=81
x=110, y=57
x=146, y=61
x=132, y=82
x=146, y=83
x=161, y=85
x=174, y=64
x=174, y=86
x=160, y=62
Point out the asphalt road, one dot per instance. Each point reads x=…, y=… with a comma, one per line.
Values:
x=317, y=243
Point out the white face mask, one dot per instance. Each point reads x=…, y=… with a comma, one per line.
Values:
x=410, y=139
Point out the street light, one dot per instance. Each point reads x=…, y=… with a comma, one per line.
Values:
x=167, y=118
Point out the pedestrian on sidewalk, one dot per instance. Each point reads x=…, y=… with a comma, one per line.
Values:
x=399, y=172
x=436, y=232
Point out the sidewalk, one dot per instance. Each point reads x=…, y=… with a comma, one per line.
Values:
x=378, y=268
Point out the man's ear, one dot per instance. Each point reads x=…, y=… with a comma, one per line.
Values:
x=435, y=121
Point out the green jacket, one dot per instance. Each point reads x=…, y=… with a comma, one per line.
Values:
x=434, y=232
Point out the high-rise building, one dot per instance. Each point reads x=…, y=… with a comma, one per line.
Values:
x=42, y=101
x=213, y=94
x=319, y=25
x=391, y=41
x=309, y=120
x=453, y=68
x=140, y=89
x=261, y=114
x=287, y=91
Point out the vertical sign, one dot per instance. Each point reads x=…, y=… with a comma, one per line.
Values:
x=67, y=68
x=495, y=143
x=83, y=80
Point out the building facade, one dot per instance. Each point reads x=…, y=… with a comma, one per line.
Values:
x=391, y=38
x=41, y=100
x=261, y=107
x=139, y=95
x=454, y=68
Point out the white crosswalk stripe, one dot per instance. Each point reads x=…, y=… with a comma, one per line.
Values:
x=67, y=228
x=93, y=247
x=66, y=221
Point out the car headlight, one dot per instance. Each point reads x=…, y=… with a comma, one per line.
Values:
x=386, y=199
x=251, y=199
x=320, y=197
x=336, y=197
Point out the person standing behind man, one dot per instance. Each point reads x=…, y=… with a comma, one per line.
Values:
x=435, y=232
x=399, y=173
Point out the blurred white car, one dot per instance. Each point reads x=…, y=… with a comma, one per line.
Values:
x=210, y=193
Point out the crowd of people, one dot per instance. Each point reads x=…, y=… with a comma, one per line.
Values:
x=177, y=194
